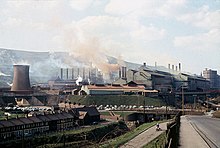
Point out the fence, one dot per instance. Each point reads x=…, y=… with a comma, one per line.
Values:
x=172, y=133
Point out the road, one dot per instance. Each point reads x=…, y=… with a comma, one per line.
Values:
x=208, y=126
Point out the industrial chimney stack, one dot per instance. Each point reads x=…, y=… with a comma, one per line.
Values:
x=72, y=73
x=67, y=74
x=119, y=72
x=61, y=73
x=21, y=81
x=179, y=66
x=124, y=70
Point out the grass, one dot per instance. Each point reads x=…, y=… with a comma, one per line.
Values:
x=97, y=132
x=3, y=117
x=157, y=142
x=216, y=114
x=77, y=131
x=122, y=113
x=105, y=113
x=116, y=142
x=117, y=100
x=60, y=145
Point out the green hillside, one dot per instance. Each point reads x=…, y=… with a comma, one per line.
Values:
x=117, y=100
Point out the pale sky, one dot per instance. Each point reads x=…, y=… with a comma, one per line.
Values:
x=162, y=31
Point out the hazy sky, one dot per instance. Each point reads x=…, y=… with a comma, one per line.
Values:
x=165, y=31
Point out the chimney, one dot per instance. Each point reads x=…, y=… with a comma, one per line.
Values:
x=155, y=64
x=67, y=77
x=119, y=72
x=21, y=81
x=123, y=72
x=83, y=73
x=168, y=66
x=61, y=73
x=144, y=64
x=176, y=68
x=72, y=73
x=172, y=67
x=179, y=66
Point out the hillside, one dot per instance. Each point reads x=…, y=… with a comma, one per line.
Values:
x=45, y=65
x=117, y=100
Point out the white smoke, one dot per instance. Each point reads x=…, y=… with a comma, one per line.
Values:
x=22, y=62
x=2, y=74
x=9, y=84
x=79, y=79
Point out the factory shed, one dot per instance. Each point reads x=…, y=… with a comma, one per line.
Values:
x=102, y=89
x=88, y=115
x=120, y=81
x=113, y=89
x=191, y=82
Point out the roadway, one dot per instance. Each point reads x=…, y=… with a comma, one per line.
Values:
x=207, y=128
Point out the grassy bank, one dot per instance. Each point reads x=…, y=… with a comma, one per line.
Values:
x=216, y=114
x=116, y=142
x=3, y=117
x=160, y=141
x=117, y=100
x=83, y=137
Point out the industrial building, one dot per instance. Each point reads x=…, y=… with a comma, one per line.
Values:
x=113, y=89
x=71, y=78
x=163, y=81
x=213, y=77
x=35, y=125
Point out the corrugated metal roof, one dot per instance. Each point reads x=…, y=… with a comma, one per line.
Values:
x=26, y=120
x=43, y=118
x=67, y=115
x=35, y=119
x=6, y=123
x=16, y=122
x=114, y=87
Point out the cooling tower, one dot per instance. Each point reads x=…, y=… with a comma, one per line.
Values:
x=21, y=81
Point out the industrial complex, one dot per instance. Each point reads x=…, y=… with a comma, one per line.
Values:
x=47, y=107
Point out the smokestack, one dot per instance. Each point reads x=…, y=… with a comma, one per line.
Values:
x=72, y=73
x=172, y=67
x=83, y=73
x=144, y=64
x=155, y=64
x=21, y=81
x=179, y=66
x=168, y=66
x=176, y=68
x=61, y=73
x=123, y=72
x=67, y=77
x=119, y=72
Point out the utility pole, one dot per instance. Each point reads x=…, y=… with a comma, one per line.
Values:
x=194, y=96
x=166, y=106
x=144, y=110
x=182, y=101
